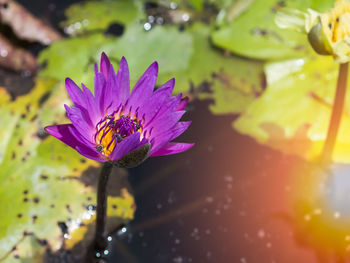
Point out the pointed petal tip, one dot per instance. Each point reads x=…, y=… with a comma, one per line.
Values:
x=155, y=65
x=186, y=147
x=58, y=131
x=96, y=68
x=105, y=59
x=187, y=123
x=185, y=99
x=183, y=103
x=153, y=68
x=104, y=64
x=49, y=129
x=69, y=82
x=104, y=56
x=172, y=81
x=173, y=148
x=190, y=145
x=66, y=107
x=123, y=65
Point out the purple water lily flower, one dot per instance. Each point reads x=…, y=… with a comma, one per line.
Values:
x=113, y=122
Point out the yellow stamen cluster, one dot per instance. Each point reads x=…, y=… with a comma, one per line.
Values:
x=105, y=138
x=336, y=23
x=113, y=129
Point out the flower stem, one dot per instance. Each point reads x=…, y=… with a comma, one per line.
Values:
x=100, y=242
x=338, y=107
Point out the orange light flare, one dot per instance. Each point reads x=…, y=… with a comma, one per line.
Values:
x=290, y=213
x=304, y=213
x=320, y=200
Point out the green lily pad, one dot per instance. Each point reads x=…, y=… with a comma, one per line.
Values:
x=40, y=192
x=168, y=46
x=254, y=33
x=72, y=57
x=197, y=4
x=234, y=82
x=98, y=15
x=293, y=113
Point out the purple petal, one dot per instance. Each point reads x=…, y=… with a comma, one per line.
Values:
x=168, y=107
x=156, y=101
x=65, y=134
x=104, y=83
x=91, y=154
x=109, y=95
x=179, y=129
x=172, y=148
x=168, y=135
x=127, y=145
x=122, y=88
x=91, y=106
x=75, y=93
x=165, y=122
x=106, y=87
x=144, y=87
x=169, y=86
x=182, y=104
x=81, y=138
x=62, y=133
x=104, y=65
x=100, y=83
x=165, y=90
x=81, y=122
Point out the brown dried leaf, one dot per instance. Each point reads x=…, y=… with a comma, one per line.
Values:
x=25, y=25
x=15, y=58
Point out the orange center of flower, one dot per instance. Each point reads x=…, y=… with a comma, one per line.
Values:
x=112, y=129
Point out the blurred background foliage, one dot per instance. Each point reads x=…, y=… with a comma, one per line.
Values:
x=228, y=51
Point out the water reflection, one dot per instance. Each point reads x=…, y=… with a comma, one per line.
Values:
x=337, y=190
x=321, y=205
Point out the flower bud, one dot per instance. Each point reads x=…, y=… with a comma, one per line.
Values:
x=319, y=40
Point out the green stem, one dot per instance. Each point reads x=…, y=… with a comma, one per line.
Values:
x=338, y=107
x=100, y=241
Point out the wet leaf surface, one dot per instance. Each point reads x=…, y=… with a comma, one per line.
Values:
x=98, y=15
x=293, y=113
x=168, y=46
x=254, y=33
x=231, y=82
x=72, y=57
x=33, y=188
